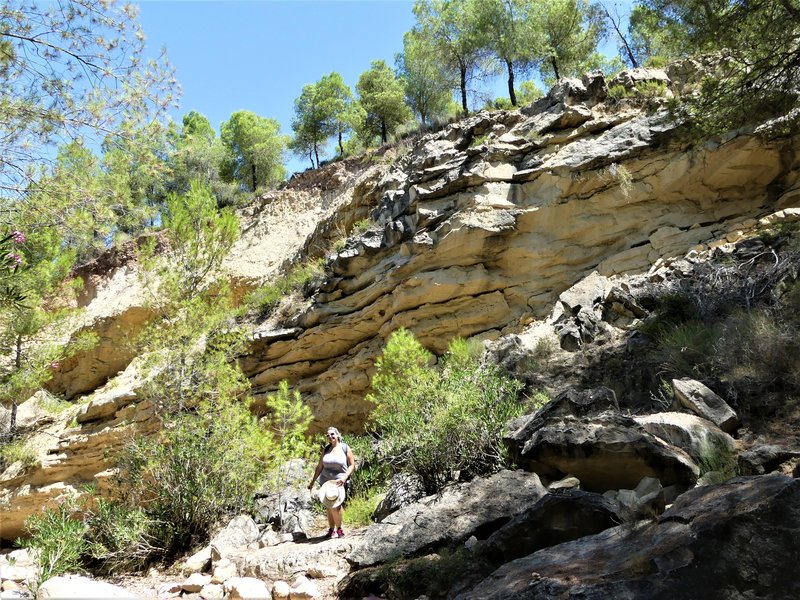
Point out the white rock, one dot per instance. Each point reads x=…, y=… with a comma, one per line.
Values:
x=195, y=582
x=240, y=532
x=246, y=588
x=18, y=573
x=281, y=590
x=304, y=589
x=212, y=591
x=703, y=401
x=197, y=562
x=224, y=569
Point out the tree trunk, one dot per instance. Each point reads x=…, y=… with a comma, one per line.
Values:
x=464, y=89
x=555, y=67
x=511, y=94
x=384, y=134
x=341, y=146
x=12, y=425
x=316, y=154
x=628, y=51
x=253, y=167
x=422, y=119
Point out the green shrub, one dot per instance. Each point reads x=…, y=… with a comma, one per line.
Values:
x=759, y=347
x=544, y=349
x=57, y=538
x=267, y=298
x=478, y=140
x=358, y=510
x=361, y=226
x=287, y=421
x=716, y=461
x=54, y=405
x=618, y=92
x=688, y=348
x=651, y=89
x=204, y=465
x=372, y=474
x=118, y=537
x=440, y=423
x=499, y=103
x=642, y=89
x=537, y=401
x=18, y=451
x=671, y=310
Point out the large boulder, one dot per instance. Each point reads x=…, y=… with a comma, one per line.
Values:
x=766, y=458
x=558, y=517
x=573, y=402
x=701, y=400
x=404, y=489
x=606, y=452
x=450, y=517
x=286, y=504
x=734, y=541
x=240, y=532
x=698, y=437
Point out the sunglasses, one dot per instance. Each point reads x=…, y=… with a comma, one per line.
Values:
x=331, y=435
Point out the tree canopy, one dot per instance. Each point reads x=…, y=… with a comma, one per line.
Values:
x=70, y=69
x=255, y=148
x=572, y=29
x=758, y=67
x=454, y=28
x=382, y=96
x=511, y=30
x=428, y=86
x=320, y=113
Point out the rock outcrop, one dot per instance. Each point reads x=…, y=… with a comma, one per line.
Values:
x=735, y=540
x=484, y=224
x=449, y=518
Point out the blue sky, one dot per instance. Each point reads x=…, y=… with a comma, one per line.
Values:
x=257, y=55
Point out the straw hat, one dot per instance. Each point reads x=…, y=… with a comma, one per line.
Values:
x=330, y=494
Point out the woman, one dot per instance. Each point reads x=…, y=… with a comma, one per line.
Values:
x=336, y=464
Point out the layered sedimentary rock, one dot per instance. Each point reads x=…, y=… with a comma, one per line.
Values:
x=482, y=225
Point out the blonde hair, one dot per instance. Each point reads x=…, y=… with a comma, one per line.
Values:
x=335, y=432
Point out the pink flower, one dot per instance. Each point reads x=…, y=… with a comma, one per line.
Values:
x=14, y=257
x=55, y=364
x=17, y=237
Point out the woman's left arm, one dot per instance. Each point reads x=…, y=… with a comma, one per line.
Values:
x=351, y=464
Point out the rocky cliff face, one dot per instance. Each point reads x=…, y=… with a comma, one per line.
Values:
x=480, y=227
x=477, y=230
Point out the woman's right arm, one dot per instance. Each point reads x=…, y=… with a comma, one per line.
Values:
x=317, y=471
